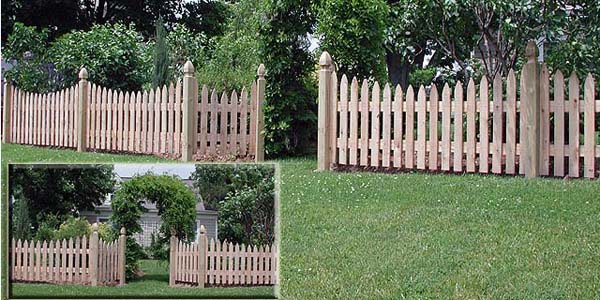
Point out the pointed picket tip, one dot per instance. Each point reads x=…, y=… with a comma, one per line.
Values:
x=202, y=229
x=325, y=59
x=365, y=84
x=410, y=90
x=458, y=85
x=261, y=71
x=376, y=85
x=446, y=88
x=559, y=75
x=574, y=77
x=471, y=83
x=354, y=81
x=188, y=68
x=398, y=91
x=511, y=75
x=83, y=73
x=234, y=97
x=589, y=81
x=433, y=93
x=386, y=88
x=344, y=78
x=421, y=90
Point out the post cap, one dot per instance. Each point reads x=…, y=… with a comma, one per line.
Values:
x=202, y=229
x=173, y=232
x=95, y=227
x=531, y=51
x=188, y=68
x=83, y=73
x=123, y=231
x=261, y=71
x=325, y=59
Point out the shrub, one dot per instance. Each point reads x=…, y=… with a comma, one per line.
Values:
x=21, y=224
x=73, y=227
x=114, y=55
x=157, y=249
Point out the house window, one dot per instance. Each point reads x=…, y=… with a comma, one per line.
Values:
x=103, y=220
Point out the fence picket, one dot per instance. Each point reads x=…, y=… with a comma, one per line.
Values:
x=511, y=123
x=574, y=125
x=458, y=128
x=471, y=129
x=409, y=143
x=375, y=123
x=544, y=121
x=589, y=117
x=243, y=122
x=433, y=129
x=421, y=128
x=354, y=105
x=178, y=116
x=446, y=123
x=164, y=119
x=364, y=124
x=497, y=126
x=223, y=114
x=343, y=107
x=233, y=129
x=387, y=126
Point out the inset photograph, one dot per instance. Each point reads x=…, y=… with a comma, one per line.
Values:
x=143, y=230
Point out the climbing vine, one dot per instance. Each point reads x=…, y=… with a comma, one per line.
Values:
x=176, y=206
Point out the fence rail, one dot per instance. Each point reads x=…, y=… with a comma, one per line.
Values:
x=181, y=119
x=506, y=127
x=76, y=261
x=221, y=264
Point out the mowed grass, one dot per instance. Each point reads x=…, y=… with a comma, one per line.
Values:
x=431, y=236
x=154, y=283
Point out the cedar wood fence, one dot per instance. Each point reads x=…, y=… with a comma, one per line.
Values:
x=167, y=121
x=94, y=263
x=221, y=263
x=509, y=131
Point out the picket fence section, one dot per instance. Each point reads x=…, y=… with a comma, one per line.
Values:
x=221, y=263
x=483, y=131
x=76, y=261
x=153, y=122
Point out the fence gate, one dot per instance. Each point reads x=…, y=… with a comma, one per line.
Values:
x=221, y=263
x=80, y=261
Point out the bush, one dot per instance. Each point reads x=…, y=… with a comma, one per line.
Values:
x=157, y=249
x=21, y=224
x=74, y=227
x=114, y=55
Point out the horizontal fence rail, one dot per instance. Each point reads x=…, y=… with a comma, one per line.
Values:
x=181, y=119
x=495, y=127
x=221, y=263
x=74, y=261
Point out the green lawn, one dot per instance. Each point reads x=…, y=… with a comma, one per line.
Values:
x=424, y=236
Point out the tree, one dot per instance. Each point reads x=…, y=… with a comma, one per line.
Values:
x=206, y=17
x=290, y=106
x=160, y=74
x=60, y=191
x=353, y=32
x=21, y=222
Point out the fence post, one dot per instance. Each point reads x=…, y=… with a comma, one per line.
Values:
x=172, y=266
x=6, y=109
x=94, y=255
x=530, y=108
x=202, y=257
x=122, y=262
x=260, y=115
x=190, y=101
x=82, y=111
x=323, y=140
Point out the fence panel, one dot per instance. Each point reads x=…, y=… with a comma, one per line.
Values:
x=475, y=132
x=68, y=262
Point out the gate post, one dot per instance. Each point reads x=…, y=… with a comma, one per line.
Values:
x=7, y=109
x=259, y=152
x=323, y=139
x=172, y=258
x=122, y=243
x=94, y=255
x=202, y=257
x=82, y=111
x=530, y=108
x=190, y=103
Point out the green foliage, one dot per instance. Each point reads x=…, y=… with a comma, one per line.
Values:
x=26, y=47
x=244, y=197
x=422, y=77
x=157, y=250
x=233, y=57
x=107, y=232
x=73, y=227
x=160, y=71
x=184, y=45
x=175, y=202
x=290, y=105
x=21, y=224
x=57, y=192
x=353, y=32
x=114, y=56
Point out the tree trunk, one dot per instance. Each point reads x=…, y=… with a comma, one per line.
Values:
x=398, y=69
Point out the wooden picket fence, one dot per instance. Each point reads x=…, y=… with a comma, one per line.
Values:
x=221, y=263
x=172, y=121
x=76, y=261
x=503, y=132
